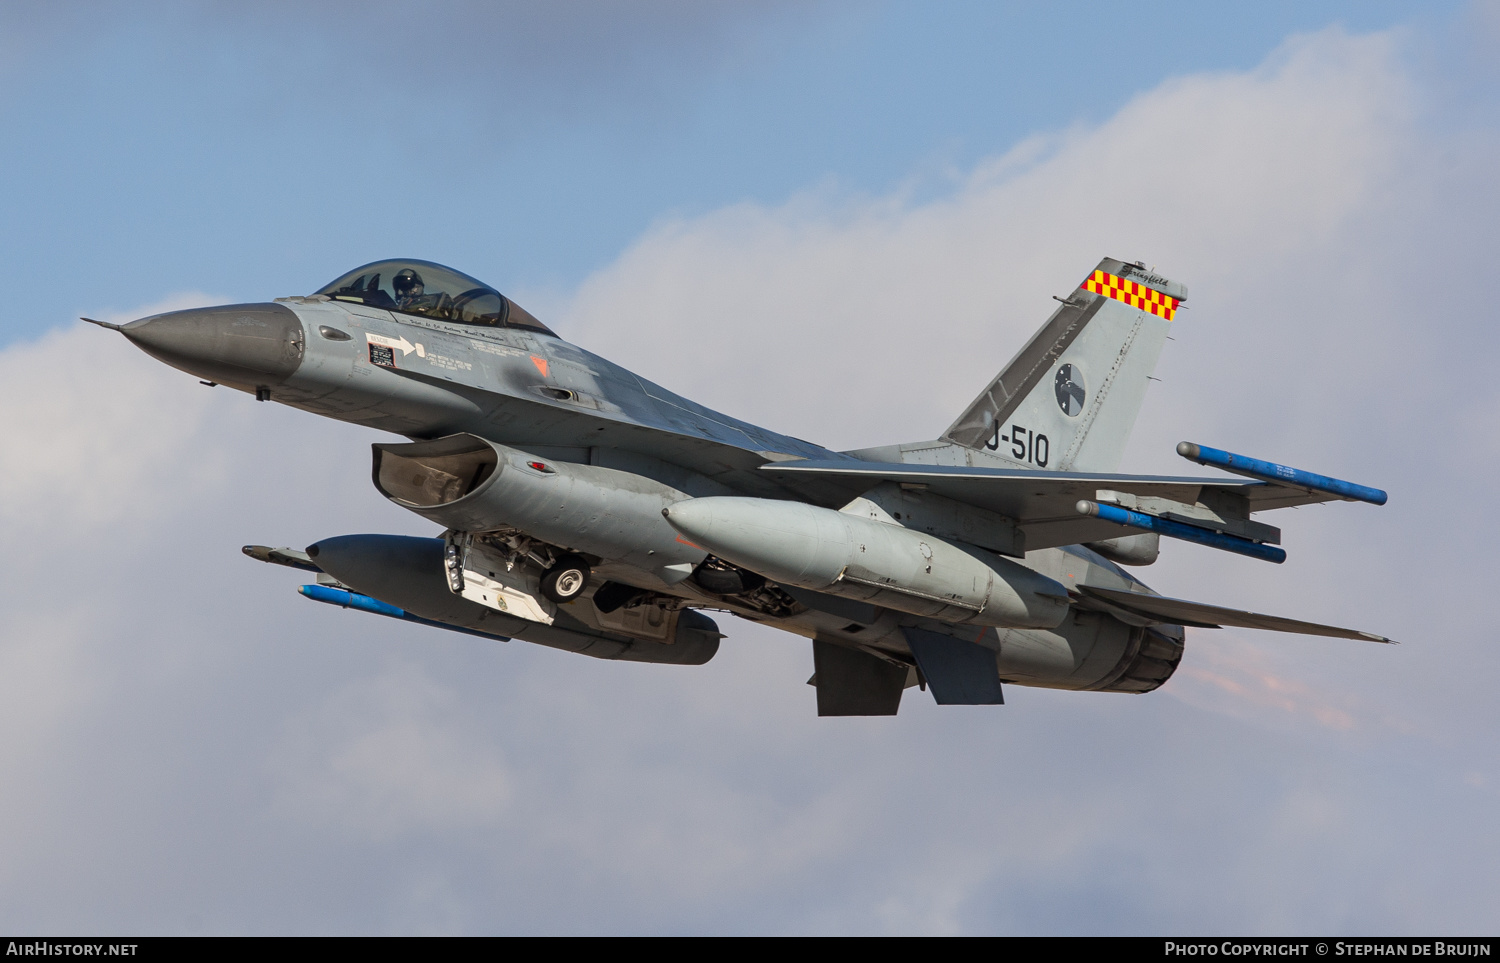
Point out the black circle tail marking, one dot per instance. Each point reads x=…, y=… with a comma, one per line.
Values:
x=1070, y=390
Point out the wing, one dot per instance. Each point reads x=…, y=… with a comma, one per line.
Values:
x=1158, y=609
x=1044, y=503
x=1051, y=508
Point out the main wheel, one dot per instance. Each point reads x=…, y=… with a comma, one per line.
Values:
x=566, y=580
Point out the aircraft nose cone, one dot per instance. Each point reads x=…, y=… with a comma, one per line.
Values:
x=246, y=346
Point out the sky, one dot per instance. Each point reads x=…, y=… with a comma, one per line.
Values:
x=838, y=220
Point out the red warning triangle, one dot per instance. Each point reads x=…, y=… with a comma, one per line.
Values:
x=541, y=364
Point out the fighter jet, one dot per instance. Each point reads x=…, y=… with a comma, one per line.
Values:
x=585, y=508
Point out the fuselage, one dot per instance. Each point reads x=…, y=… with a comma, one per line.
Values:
x=427, y=377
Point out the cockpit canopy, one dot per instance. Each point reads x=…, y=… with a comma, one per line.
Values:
x=432, y=291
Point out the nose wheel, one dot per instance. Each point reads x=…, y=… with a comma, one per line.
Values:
x=566, y=580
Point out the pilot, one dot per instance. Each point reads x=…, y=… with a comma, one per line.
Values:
x=407, y=285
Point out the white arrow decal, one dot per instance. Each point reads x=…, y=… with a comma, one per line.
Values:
x=404, y=346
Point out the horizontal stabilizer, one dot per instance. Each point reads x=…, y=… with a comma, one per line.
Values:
x=1183, y=612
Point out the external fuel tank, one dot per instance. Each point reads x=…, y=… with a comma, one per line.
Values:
x=858, y=557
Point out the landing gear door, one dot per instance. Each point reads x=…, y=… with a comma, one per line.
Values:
x=481, y=574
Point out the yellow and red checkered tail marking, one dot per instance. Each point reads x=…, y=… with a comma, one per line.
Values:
x=1135, y=295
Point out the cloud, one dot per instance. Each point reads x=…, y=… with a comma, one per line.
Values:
x=1217, y=179
x=186, y=743
x=76, y=440
x=386, y=755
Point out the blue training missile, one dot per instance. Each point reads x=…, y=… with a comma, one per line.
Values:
x=1188, y=533
x=353, y=600
x=1280, y=474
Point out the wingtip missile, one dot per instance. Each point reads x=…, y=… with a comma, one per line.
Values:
x=1279, y=474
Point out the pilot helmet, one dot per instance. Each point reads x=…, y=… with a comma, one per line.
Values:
x=407, y=283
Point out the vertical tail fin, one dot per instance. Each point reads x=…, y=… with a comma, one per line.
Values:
x=1068, y=399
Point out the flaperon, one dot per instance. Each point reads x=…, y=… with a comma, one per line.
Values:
x=588, y=509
